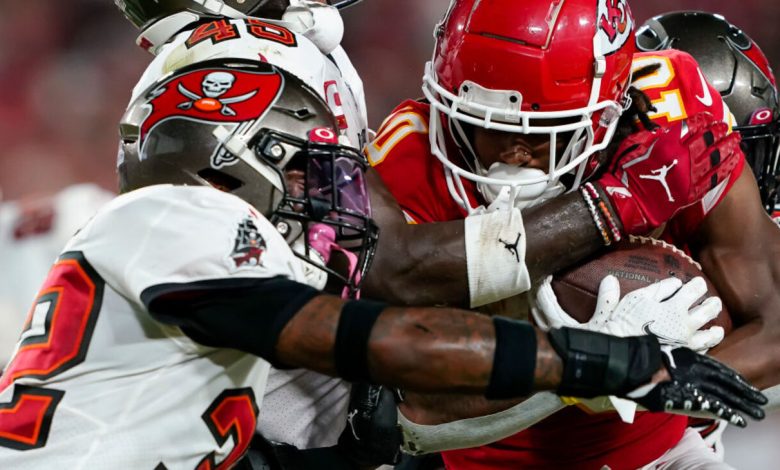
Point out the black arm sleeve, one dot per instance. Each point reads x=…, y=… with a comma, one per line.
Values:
x=247, y=314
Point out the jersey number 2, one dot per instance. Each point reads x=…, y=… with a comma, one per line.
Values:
x=233, y=414
x=55, y=338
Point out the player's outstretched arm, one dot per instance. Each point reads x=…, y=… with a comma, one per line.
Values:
x=445, y=350
x=420, y=349
x=450, y=350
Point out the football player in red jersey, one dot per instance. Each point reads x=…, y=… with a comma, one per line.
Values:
x=738, y=69
x=526, y=128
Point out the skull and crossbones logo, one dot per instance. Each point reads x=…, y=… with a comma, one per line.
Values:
x=213, y=86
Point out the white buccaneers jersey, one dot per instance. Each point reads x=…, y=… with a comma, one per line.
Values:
x=97, y=382
x=304, y=408
x=33, y=232
x=333, y=77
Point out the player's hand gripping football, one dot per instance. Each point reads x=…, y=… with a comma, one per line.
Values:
x=655, y=173
x=698, y=383
x=665, y=309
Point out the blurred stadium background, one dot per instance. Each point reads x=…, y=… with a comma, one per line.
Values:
x=67, y=68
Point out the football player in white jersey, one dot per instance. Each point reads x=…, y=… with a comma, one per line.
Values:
x=33, y=231
x=305, y=409
x=150, y=341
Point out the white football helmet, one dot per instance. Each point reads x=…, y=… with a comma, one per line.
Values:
x=269, y=41
x=161, y=20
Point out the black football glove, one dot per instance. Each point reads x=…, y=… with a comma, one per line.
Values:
x=700, y=383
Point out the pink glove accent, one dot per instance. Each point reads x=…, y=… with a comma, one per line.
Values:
x=322, y=239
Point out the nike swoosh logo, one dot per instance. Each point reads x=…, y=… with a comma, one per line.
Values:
x=662, y=338
x=706, y=100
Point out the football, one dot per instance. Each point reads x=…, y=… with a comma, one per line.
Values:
x=636, y=262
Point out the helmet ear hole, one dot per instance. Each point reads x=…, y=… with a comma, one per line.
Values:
x=220, y=180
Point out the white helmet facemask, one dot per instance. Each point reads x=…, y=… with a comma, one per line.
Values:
x=318, y=22
x=501, y=110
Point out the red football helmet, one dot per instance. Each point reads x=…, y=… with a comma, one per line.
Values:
x=534, y=67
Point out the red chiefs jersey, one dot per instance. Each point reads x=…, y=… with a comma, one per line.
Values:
x=573, y=437
x=678, y=90
x=401, y=154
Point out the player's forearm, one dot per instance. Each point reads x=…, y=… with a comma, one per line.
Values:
x=418, y=349
x=427, y=347
x=433, y=409
x=414, y=264
x=420, y=265
x=754, y=351
x=560, y=232
x=440, y=264
x=750, y=289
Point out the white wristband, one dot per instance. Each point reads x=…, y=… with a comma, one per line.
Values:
x=472, y=432
x=495, y=256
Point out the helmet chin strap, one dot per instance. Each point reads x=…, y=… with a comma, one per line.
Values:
x=318, y=22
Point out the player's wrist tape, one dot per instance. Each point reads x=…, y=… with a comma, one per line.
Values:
x=351, y=348
x=597, y=364
x=514, y=361
x=495, y=256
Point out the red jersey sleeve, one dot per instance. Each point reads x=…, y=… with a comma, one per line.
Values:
x=401, y=154
x=678, y=90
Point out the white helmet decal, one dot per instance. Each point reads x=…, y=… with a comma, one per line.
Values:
x=615, y=24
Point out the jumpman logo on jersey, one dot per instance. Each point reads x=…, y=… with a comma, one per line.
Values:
x=660, y=175
x=350, y=421
x=512, y=247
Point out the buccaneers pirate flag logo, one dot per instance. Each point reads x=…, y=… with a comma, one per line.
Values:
x=213, y=96
x=249, y=245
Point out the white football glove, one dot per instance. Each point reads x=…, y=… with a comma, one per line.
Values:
x=662, y=309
